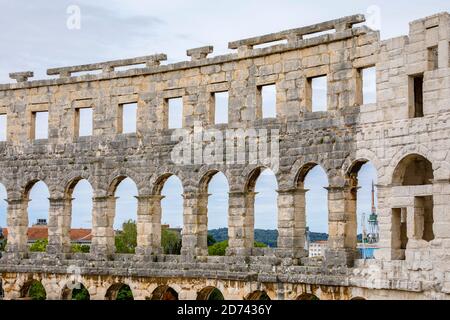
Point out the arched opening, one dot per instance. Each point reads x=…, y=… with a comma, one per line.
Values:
x=358, y=299
x=76, y=291
x=33, y=290
x=312, y=182
x=164, y=292
x=38, y=215
x=413, y=170
x=362, y=182
x=210, y=293
x=119, y=291
x=262, y=207
x=213, y=205
x=307, y=296
x=257, y=295
x=171, y=189
x=125, y=192
x=79, y=194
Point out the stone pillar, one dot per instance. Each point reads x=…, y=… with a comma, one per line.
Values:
x=194, y=241
x=342, y=230
x=385, y=224
x=102, y=225
x=59, y=225
x=291, y=223
x=441, y=208
x=241, y=221
x=17, y=220
x=444, y=42
x=149, y=225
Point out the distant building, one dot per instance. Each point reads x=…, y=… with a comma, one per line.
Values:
x=317, y=249
x=167, y=226
x=39, y=231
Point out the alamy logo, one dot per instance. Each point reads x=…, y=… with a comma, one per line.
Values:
x=74, y=20
x=232, y=146
x=75, y=277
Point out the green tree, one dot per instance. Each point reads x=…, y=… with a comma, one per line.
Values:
x=126, y=239
x=170, y=241
x=211, y=240
x=37, y=291
x=219, y=248
x=3, y=244
x=125, y=293
x=80, y=248
x=39, y=246
x=80, y=294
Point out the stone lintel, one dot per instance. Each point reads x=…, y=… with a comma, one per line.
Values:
x=338, y=24
x=199, y=53
x=108, y=66
x=21, y=76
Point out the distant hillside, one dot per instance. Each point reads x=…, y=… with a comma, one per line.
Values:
x=268, y=237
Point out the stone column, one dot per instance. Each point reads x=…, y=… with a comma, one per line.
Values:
x=241, y=221
x=385, y=224
x=59, y=225
x=149, y=225
x=444, y=42
x=17, y=217
x=291, y=223
x=194, y=225
x=102, y=225
x=342, y=230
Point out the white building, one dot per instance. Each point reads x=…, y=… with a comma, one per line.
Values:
x=317, y=249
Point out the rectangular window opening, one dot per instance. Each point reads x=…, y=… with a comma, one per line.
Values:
x=3, y=124
x=84, y=121
x=175, y=116
x=40, y=119
x=128, y=118
x=416, y=96
x=267, y=96
x=317, y=94
x=433, y=58
x=369, y=85
x=318, y=34
x=220, y=107
x=399, y=233
x=423, y=218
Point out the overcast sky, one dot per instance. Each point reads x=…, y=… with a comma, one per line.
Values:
x=37, y=35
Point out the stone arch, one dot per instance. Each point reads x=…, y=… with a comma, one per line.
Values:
x=33, y=289
x=206, y=178
x=210, y=293
x=407, y=169
x=419, y=150
x=118, y=175
x=358, y=299
x=302, y=166
x=252, y=174
x=303, y=171
x=205, y=200
x=115, y=289
x=304, y=194
x=30, y=184
x=362, y=155
x=307, y=296
x=71, y=181
x=164, y=292
x=354, y=190
x=257, y=295
x=160, y=180
x=75, y=288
